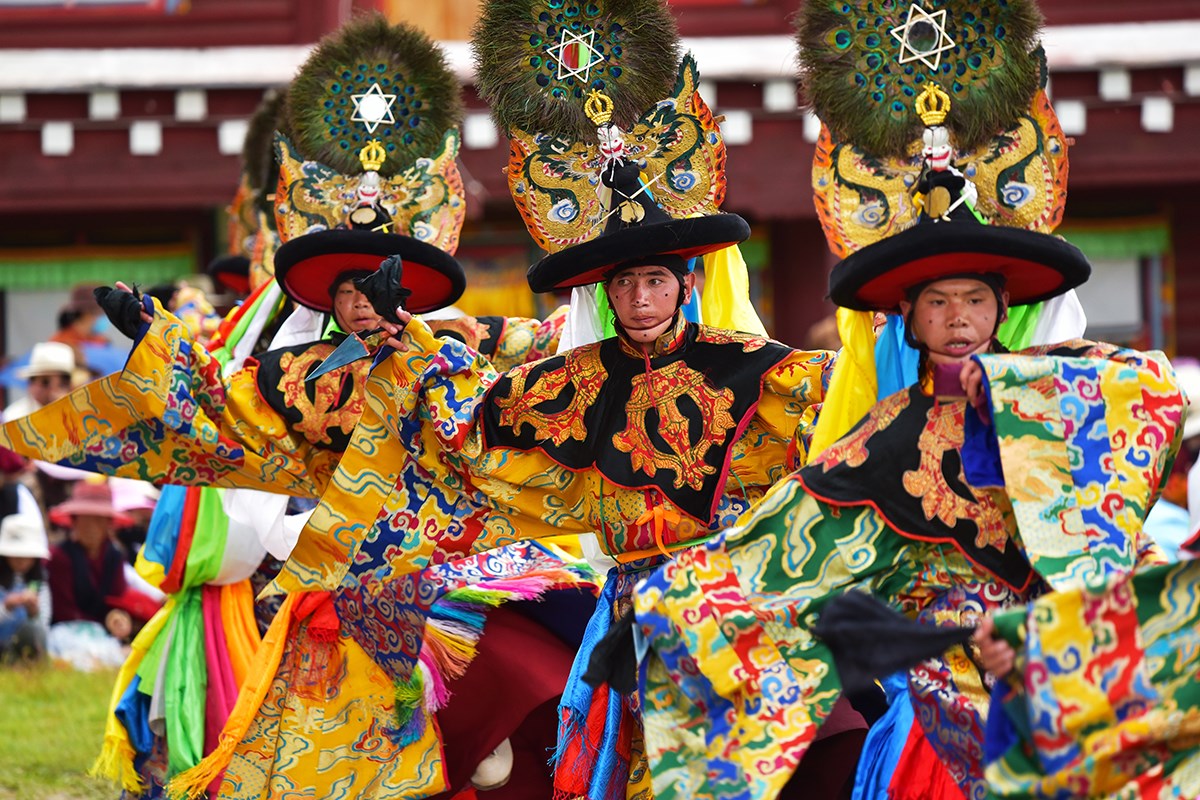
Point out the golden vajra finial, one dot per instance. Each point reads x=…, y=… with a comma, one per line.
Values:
x=598, y=107
x=372, y=156
x=933, y=105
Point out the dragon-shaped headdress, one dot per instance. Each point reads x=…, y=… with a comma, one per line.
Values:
x=939, y=152
x=614, y=156
x=366, y=158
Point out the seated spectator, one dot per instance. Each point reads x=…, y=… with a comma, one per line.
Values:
x=95, y=611
x=24, y=593
x=87, y=577
x=48, y=372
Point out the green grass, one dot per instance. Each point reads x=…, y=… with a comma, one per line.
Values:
x=53, y=723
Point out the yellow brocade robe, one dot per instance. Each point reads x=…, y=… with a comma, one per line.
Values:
x=525, y=456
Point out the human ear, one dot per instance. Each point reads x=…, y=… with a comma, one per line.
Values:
x=905, y=307
x=689, y=284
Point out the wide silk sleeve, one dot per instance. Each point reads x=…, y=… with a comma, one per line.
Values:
x=416, y=484
x=793, y=391
x=167, y=417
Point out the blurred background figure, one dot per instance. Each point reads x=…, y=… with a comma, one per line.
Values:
x=80, y=321
x=1173, y=520
x=135, y=499
x=823, y=335
x=24, y=592
x=94, y=608
x=48, y=376
x=231, y=281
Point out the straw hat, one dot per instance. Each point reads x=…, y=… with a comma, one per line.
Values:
x=23, y=536
x=90, y=497
x=49, y=358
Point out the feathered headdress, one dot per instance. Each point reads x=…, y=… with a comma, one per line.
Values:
x=251, y=217
x=935, y=111
x=614, y=155
x=367, y=158
x=939, y=155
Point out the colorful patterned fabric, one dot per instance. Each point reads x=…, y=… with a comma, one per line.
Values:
x=736, y=684
x=172, y=416
x=505, y=341
x=422, y=483
x=1085, y=445
x=335, y=723
x=418, y=467
x=1108, y=704
x=169, y=418
x=600, y=751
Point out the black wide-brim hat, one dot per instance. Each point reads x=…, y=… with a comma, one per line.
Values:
x=231, y=272
x=307, y=266
x=590, y=262
x=1036, y=266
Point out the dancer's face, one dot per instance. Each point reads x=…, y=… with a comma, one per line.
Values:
x=645, y=299
x=955, y=319
x=353, y=310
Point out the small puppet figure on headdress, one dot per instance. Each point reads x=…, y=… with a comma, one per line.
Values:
x=942, y=188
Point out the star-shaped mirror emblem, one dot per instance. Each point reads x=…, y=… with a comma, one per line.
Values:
x=923, y=37
x=373, y=108
x=575, y=55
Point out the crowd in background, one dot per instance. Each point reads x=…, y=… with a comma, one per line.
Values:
x=69, y=539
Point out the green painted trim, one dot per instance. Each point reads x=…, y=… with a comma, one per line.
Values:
x=63, y=270
x=1121, y=241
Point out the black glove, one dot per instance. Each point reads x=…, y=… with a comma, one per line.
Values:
x=614, y=659
x=124, y=309
x=870, y=640
x=384, y=290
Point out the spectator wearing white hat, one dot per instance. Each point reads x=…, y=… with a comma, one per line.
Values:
x=24, y=591
x=49, y=372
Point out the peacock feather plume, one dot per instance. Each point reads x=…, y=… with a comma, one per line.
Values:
x=537, y=60
x=417, y=95
x=862, y=67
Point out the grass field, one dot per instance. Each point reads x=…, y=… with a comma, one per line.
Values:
x=52, y=720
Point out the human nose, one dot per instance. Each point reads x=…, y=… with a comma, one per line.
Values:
x=360, y=300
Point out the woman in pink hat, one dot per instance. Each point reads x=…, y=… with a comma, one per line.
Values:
x=87, y=571
x=24, y=596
